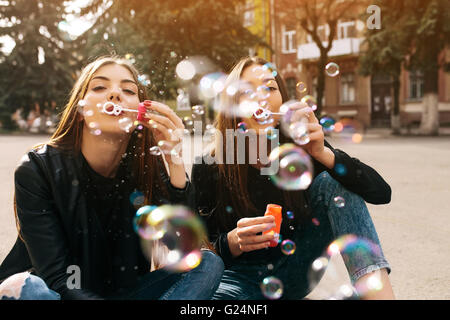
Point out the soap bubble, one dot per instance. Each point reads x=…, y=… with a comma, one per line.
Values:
x=130, y=57
x=144, y=80
x=356, y=252
x=290, y=214
x=349, y=130
x=269, y=66
x=198, y=110
x=185, y=70
x=126, y=124
x=180, y=231
x=295, y=170
x=299, y=132
x=291, y=126
x=310, y=101
x=339, y=202
x=271, y=133
x=371, y=284
x=137, y=198
x=332, y=69
x=155, y=151
x=212, y=84
x=272, y=288
x=288, y=247
x=94, y=128
x=301, y=87
x=187, y=121
x=242, y=127
x=327, y=123
x=148, y=224
x=239, y=100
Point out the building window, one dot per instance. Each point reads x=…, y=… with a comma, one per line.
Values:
x=346, y=30
x=415, y=84
x=291, y=87
x=249, y=14
x=347, y=88
x=288, y=43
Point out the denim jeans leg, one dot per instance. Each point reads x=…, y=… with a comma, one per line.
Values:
x=241, y=282
x=361, y=248
x=199, y=283
x=34, y=288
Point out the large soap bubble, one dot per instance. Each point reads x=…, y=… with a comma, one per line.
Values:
x=176, y=228
x=295, y=170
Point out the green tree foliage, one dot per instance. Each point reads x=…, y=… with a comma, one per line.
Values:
x=161, y=33
x=39, y=68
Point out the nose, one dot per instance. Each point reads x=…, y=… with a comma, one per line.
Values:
x=114, y=95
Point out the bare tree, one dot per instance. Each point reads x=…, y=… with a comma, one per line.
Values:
x=312, y=14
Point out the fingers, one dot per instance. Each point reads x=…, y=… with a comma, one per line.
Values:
x=166, y=121
x=245, y=222
x=305, y=114
x=252, y=230
x=162, y=121
x=167, y=134
x=252, y=247
x=249, y=233
x=164, y=110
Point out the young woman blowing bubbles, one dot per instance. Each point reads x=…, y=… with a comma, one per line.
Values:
x=72, y=199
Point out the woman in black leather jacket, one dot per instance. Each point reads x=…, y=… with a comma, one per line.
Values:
x=72, y=199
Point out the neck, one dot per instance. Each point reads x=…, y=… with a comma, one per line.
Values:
x=103, y=153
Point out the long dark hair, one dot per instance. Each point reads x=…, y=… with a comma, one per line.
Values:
x=232, y=180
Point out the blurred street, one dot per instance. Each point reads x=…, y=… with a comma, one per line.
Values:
x=413, y=228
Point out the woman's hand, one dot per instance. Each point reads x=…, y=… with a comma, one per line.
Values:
x=167, y=129
x=316, y=145
x=247, y=235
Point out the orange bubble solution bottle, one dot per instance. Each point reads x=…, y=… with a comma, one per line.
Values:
x=274, y=210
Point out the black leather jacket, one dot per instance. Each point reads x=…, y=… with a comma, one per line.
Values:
x=60, y=228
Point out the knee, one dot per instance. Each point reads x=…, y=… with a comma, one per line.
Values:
x=11, y=288
x=212, y=262
x=324, y=185
x=25, y=286
x=324, y=181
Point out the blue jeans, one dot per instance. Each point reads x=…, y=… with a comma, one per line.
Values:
x=328, y=223
x=197, y=284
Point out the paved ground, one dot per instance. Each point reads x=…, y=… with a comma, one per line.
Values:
x=413, y=228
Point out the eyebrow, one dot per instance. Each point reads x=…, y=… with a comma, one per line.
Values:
x=269, y=79
x=107, y=79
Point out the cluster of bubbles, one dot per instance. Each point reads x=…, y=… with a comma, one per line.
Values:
x=174, y=227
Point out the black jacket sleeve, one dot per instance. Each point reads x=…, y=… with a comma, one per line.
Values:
x=184, y=196
x=357, y=177
x=42, y=230
x=205, y=205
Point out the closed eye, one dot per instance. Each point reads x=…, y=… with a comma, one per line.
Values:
x=129, y=91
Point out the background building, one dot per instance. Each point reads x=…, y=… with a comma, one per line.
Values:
x=369, y=99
